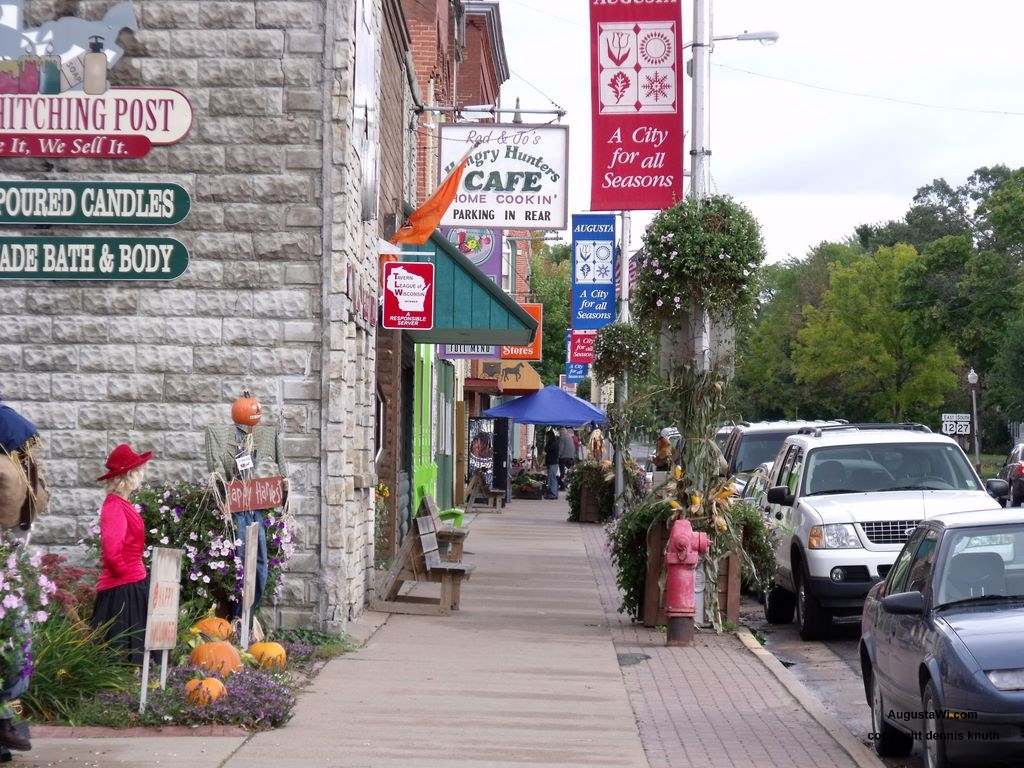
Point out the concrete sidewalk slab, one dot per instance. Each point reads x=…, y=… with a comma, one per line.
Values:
x=525, y=674
x=130, y=752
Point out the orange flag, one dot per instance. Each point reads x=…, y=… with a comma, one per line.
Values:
x=424, y=220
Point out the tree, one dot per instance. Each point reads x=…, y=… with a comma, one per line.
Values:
x=550, y=285
x=861, y=342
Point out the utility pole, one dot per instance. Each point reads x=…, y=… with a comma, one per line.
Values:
x=622, y=387
x=700, y=153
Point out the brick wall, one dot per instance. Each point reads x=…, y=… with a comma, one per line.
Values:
x=264, y=304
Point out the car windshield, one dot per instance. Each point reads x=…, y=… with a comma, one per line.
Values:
x=888, y=467
x=757, y=448
x=980, y=563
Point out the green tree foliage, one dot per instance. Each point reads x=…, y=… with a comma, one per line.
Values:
x=860, y=341
x=550, y=284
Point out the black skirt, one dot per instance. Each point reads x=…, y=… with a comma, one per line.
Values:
x=125, y=608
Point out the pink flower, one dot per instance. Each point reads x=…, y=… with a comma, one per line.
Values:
x=40, y=617
x=659, y=302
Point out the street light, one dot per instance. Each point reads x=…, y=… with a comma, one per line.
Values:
x=767, y=37
x=972, y=379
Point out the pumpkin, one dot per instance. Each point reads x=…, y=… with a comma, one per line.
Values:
x=246, y=410
x=269, y=655
x=200, y=691
x=219, y=658
x=214, y=628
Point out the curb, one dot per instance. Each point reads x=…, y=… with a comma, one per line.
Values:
x=106, y=732
x=861, y=755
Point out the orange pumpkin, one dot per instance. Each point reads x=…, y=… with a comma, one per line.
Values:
x=269, y=655
x=246, y=410
x=213, y=628
x=200, y=691
x=218, y=658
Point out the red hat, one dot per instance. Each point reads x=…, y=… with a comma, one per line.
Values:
x=123, y=460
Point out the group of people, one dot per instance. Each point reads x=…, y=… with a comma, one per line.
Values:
x=563, y=447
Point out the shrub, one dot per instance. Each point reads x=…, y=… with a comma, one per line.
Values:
x=25, y=598
x=623, y=348
x=628, y=540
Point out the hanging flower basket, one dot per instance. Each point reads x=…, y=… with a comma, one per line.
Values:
x=699, y=253
x=622, y=348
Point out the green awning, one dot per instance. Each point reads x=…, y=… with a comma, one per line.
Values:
x=468, y=307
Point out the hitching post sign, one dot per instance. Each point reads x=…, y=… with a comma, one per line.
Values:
x=408, y=296
x=91, y=258
x=636, y=105
x=593, y=271
x=99, y=203
x=516, y=177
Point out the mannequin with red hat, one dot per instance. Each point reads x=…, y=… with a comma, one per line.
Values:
x=123, y=587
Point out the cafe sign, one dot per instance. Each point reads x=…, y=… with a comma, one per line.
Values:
x=99, y=203
x=91, y=258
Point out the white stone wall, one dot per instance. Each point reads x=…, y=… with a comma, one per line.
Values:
x=264, y=304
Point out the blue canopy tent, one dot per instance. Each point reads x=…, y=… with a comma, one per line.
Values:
x=550, y=406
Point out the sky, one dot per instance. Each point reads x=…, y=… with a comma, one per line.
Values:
x=811, y=164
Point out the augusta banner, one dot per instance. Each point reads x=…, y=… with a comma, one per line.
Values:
x=516, y=177
x=593, y=271
x=637, y=105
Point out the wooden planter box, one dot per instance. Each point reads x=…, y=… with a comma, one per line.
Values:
x=589, y=511
x=524, y=494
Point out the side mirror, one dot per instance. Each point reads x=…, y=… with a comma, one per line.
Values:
x=904, y=604
x=997, y=488
x=780, y=495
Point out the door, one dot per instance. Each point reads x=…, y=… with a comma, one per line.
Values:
x=909, y=637
x=885, y=623
x=779, y=517
x=444, y=437
x=501, y=446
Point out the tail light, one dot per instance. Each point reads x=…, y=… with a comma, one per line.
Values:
x=1020, y=469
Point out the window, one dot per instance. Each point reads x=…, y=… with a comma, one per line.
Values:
x=898, y=575
x=793, y=481
x=785, y=466
x=924, y=562
x=366, y=98
x=378, y=433
x=508, y=264
x=981, y=562
x=755, y=449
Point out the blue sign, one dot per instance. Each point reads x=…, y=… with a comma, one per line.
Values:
x=576, y=372
x=593, y=271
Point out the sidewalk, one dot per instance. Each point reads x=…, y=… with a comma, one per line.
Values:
x=537, y=669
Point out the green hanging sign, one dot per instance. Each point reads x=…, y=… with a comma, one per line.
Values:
x=91, y=258
x=99, y=203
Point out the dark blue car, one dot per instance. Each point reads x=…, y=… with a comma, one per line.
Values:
x=942, y=643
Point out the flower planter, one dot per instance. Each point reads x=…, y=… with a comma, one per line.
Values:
x=653, y=611
x=729, y=588
x=590, y=511
x=523, y=493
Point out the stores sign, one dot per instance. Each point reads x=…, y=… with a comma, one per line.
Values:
x=534, y=350
x=408, y=296
x=516, y=177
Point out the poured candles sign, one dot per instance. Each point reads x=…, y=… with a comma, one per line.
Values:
x=101, y=203
x=55, y=99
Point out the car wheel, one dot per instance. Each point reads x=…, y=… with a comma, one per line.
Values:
x=1016, y=498
x=934, y=731
x=889, y=740
x=778, y=605
x=813, y=621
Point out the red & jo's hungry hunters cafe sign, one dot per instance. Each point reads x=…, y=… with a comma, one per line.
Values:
x=637, y=104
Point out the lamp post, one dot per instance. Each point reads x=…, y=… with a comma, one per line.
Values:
x=700, y=152
x=972, y=379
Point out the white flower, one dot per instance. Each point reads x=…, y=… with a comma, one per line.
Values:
x=659, y=302
x=154, y=531
x=206, y=579
x=192, y=536
x=193, y=576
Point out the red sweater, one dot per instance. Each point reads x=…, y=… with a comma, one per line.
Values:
x=122, y=540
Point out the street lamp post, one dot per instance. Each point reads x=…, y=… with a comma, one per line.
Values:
x=972, y=379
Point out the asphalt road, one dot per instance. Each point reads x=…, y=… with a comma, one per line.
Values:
x=830, y=669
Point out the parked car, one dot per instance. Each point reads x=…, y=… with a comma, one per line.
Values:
x=1012, y=472
x=722, y=435
x=751, y=445
x=755, y=491
x=941, y=649
x=843, y=501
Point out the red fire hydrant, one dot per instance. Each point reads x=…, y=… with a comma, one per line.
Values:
x=682, y=553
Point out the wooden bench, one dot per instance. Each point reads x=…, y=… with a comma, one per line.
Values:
x=477, y=488
x=450, y=539
x=418, y=560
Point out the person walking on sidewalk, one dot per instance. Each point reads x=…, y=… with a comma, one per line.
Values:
x=551, y=455
x=566, y=456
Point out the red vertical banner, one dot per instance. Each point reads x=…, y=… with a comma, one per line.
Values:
x=636, y=72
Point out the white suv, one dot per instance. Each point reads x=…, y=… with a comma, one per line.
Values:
x=844, y=499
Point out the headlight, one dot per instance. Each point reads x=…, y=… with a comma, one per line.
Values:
x=834, y=536
x=1007, y=679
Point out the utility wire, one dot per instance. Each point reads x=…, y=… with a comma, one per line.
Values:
x=876, y=97
x=544, y=12
x=538, y=90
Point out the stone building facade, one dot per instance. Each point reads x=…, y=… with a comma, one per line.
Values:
x=280, y=295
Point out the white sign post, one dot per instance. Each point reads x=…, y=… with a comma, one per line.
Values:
x=956, y=424
x=252, y=533
x=162, y=613
x=516, y=177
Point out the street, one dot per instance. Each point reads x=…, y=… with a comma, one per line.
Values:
x=830, y=669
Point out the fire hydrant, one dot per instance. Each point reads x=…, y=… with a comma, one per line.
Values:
x=682, y=553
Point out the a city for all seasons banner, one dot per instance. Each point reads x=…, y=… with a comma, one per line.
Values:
x=516, y=177
x=483, y=247
x=637, y=105
x=574, y=372
x=593, y=271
